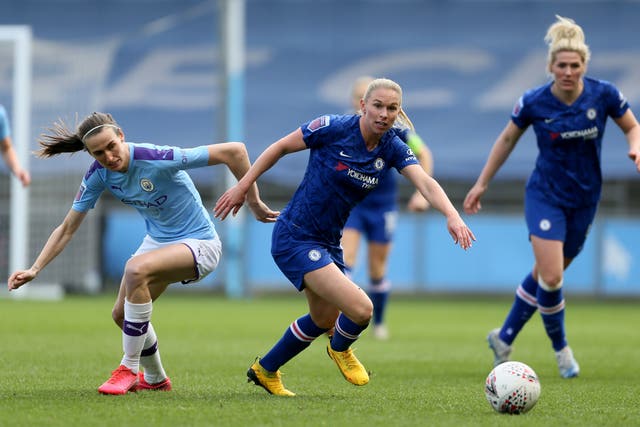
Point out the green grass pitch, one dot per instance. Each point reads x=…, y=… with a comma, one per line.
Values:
x=54, y=355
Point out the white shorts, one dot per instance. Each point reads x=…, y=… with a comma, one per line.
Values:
x=206, y=253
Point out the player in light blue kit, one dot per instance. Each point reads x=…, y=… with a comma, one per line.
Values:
x=348, y=156
x=376, y=216
x=181, y=244
x=568, y=116
x=9, y=153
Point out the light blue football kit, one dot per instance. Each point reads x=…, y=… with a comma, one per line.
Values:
x=158, y=187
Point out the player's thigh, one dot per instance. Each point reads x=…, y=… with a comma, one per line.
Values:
x=162, y=266
x=330, y=285
x=550, y=260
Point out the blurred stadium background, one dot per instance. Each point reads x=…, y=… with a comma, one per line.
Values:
x=159, y=67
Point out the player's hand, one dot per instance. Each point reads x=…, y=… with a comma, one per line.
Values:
x=20, y=278
x=24, y=177
x=262, y=212
x=635, y=156
x=461, y=234
x=417, y=203
x=230, y=202
x=472, y=203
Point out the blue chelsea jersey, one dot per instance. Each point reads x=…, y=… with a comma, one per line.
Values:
x=158, y=187
x=384, y=196
x=339, y=174
x=569, y=140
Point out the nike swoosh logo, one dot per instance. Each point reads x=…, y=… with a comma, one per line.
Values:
x=548, y=120
x=343, y=154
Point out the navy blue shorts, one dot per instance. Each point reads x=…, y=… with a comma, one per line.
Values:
x=295, y=256
x=377, y=225
x=552, y=222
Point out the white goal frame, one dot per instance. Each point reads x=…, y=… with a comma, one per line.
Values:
x=22, y=38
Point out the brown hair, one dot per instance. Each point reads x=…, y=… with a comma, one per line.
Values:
x=61, y=140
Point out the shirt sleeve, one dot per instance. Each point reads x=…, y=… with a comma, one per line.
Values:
x=168, y=157
x=616, y=102
x=91, y=188
x=315, y=132
x=191, y=158
x=403, y=155
x=520, y=115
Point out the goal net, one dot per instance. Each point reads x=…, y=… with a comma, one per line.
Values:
x=27, y=216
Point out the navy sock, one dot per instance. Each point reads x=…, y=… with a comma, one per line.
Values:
x=379, y=295
x=347, y=332
x=296, y=338
x=524, y=305
x=551, y=306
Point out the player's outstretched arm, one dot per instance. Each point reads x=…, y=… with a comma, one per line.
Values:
x=233, y=199
x=629, y=125
x=435, y=194
x=235, y=156
x=57, y=241
x=500, y=151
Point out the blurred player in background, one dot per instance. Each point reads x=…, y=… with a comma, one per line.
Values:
x=568, y=116
x=349, y=154
x=376, y=217
x=181, y=244
x=8, y=152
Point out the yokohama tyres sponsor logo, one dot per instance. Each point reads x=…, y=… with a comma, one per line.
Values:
x=369, y=181
x=590, y=133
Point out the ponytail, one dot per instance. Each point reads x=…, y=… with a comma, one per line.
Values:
x=61, y=140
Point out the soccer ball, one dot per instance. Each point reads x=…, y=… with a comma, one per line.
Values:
x=512, y=388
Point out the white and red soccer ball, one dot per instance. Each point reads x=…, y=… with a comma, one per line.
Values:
x=512, y=388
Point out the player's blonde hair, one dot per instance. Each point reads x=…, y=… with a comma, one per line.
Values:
x=402, y=120
x=566, y=35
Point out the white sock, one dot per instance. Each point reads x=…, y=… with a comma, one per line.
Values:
x=150, y=358
x=134, y=332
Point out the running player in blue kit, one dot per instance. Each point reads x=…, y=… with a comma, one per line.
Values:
x=348, y=156
x=568, y=116
x=181, y=244
x=376, y=216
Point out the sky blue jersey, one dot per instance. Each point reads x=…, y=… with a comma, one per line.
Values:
x=340, y=173
x=5, y=128
x=158, y=187
x=569, y=137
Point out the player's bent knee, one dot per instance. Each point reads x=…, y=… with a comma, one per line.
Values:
x=550, y=283
x=362, y=314
x=135, y=272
